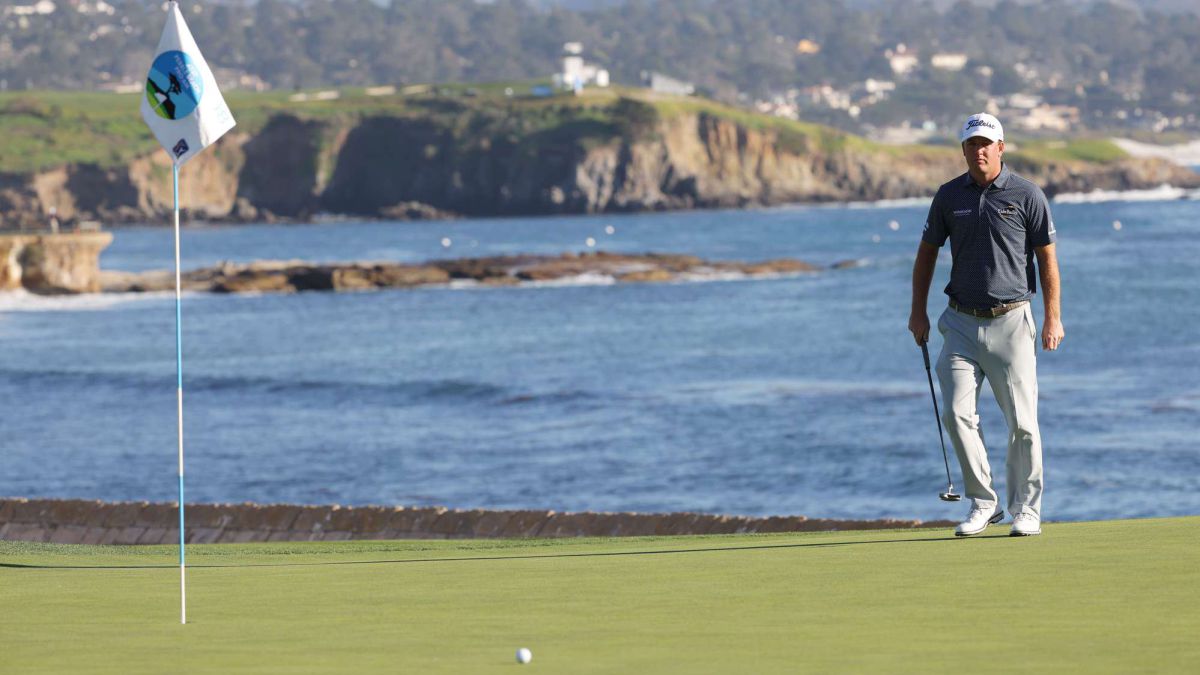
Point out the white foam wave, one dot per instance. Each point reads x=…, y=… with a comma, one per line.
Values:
x=1186, y=154
x=890, y=203
x=586, y=279
x=24, y=301
x=1161, y=193
x=755, y=391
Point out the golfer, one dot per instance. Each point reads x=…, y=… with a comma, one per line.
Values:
x=997, y=222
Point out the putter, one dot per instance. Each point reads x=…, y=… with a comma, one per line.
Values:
x=949, y=495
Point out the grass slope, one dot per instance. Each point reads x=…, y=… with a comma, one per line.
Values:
x=1121, y=596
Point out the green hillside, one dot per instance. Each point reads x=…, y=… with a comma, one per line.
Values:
x=47, y=129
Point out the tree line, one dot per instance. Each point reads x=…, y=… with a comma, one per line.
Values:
x=1098, y=54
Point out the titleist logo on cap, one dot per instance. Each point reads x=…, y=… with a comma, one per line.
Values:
x=980, y=123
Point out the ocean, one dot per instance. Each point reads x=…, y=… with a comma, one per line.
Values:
x=790, y=395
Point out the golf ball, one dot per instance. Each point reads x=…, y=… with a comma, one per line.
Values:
x=524, y=655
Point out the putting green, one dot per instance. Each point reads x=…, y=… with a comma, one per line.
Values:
x=1117, y=596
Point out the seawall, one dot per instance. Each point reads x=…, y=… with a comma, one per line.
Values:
x=77, y=521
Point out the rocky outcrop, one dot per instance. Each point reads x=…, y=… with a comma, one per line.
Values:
x=52, y=263
x=1125, y=174
x=403, y=166
x=76, y=521
x=297, y=276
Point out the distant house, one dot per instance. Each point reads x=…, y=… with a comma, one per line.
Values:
x=665, y=84
x=902, y=60
x=807, y=46
x=951, y=61
x=827, y=96
x=42, y=7
x=577, y=73
x=1022, y=101
x=1048, y=118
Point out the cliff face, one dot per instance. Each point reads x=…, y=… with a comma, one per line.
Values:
x=52, y=263
x=401, y=167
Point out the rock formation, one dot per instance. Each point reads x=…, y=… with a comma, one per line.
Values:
x=297, y=276
x=52, y=263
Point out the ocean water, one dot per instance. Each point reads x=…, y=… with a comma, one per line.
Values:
x=791, y=395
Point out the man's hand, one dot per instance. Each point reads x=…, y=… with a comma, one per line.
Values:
x=918, y=324
x=1052, y=334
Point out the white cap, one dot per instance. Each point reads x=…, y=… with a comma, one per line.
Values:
x=981, y=124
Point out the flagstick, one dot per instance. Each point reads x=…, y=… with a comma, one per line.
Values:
x=179, y=400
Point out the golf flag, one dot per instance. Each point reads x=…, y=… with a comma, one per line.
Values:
x=183, y=106
x=187, y=113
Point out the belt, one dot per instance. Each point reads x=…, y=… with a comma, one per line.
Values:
x=991, y=312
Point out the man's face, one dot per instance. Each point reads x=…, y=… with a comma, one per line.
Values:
x=983, y=155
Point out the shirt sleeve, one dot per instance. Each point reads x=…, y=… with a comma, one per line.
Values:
x=935, y=223
x=1041, y=223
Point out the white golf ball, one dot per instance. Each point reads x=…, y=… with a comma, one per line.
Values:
x=524, y=655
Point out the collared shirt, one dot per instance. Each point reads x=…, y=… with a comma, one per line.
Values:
x=992, y=233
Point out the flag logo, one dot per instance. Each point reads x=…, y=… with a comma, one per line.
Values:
x=174, y=85
x=183, y=105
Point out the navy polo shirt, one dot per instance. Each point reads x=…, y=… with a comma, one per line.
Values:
x=992, y=233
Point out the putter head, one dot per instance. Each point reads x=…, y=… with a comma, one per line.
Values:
x=950, y=496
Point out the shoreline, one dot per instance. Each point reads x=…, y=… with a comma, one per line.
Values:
x=94, y=522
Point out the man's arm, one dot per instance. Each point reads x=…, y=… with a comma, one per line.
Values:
x=1052, y=328
x=918, y=319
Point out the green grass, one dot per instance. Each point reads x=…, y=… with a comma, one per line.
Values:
x=1121, y=596
x=45, y=129
x=1098, y=150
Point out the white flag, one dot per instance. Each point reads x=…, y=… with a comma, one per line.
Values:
x=183, y=106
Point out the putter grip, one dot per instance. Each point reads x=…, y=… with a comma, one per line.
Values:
x=925, y=353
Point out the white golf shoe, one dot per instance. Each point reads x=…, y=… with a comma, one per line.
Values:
x=1025, y=525
x=978, y=520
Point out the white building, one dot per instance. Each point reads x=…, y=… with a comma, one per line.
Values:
x=902, y=60
x=577, y=73
x=951, y=61
x=41, y=7
x=665, y=84
x=1048, y=118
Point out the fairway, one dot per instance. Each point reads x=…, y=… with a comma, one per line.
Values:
x=1116, y=596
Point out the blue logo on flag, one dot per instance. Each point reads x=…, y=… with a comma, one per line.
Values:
x=174, y=85
x=180, y=148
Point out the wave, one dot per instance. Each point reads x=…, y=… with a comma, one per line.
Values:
x=312, y=393
x=319, y=392
x=758, y=391
x=586, y=279
x=23, y=301
x=889, y=203
x=1161, y=193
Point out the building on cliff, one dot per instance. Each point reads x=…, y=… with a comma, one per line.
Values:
x=577, y=73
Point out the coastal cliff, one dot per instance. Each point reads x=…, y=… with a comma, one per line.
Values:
x=51, y=264
x=445, y=159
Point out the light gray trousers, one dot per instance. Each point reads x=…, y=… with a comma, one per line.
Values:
x=1004, y=351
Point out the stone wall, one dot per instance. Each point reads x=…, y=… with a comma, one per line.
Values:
x=68, y=521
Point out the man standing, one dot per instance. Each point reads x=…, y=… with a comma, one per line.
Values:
x=997, y=222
